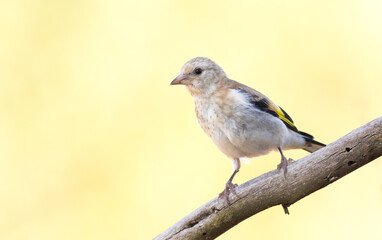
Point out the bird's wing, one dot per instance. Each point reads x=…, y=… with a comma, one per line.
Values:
x=261, y=102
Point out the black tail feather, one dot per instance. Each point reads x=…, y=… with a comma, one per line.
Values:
x=311, y=144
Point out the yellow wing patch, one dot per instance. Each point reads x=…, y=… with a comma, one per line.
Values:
x=281, y=115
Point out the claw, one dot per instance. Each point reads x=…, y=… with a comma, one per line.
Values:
x=229, y=187
x=284, y=163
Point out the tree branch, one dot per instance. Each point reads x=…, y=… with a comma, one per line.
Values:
x=304, y=177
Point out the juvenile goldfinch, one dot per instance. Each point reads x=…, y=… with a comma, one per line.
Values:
x=242, y=122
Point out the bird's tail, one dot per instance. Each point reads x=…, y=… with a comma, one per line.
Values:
x=310, y=144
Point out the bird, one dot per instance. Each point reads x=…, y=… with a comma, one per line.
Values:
x=242, y=122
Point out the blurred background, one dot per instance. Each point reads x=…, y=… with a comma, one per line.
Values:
x=95, y=144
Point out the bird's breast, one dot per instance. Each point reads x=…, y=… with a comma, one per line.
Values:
x=214, y=112
x=212, y=118
x=207, y=113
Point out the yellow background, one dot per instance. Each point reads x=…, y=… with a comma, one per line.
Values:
x=95, y=144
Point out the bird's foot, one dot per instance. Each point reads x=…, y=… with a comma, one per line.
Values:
x=229, y=187
x=283, y=165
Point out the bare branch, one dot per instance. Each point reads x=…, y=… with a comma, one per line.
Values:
x=305, y=176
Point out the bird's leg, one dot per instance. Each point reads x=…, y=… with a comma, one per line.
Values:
x=229, y=186
x=284, y=162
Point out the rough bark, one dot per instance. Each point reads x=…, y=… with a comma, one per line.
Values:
x=304, y=177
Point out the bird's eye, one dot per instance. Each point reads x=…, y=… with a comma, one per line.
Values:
x=198, y=71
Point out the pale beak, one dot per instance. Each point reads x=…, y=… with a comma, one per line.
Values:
x=179, y=79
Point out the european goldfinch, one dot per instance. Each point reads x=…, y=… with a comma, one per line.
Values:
x=242, y=122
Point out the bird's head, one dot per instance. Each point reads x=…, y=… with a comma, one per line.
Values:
x=200, y=75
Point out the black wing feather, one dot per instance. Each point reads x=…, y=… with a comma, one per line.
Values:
x=264, y=104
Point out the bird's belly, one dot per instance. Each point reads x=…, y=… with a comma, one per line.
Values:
x=254, y=135
x=253, y=143
x=236, y=142
x=241, y=134
x=225, y=145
